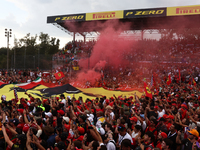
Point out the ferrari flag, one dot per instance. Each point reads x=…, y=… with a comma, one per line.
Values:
x=147, y=91
x=169, y=80
x=59, y=75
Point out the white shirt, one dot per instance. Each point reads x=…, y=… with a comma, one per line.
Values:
x=144, y=125
x=126, y=136
x=160, y=114
x=111, y=145
x=134, y=134
x=64, y=102
x=112, y=114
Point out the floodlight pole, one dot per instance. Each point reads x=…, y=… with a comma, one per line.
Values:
x=8, y=34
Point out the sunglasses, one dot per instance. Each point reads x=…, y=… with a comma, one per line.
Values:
x=190, y=133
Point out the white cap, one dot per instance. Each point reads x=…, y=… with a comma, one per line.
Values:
x=101, y=130
x=3, y=97
x=48, y=114
x=66, y=119
x=69, y=97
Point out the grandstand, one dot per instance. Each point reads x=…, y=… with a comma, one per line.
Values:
x=140, y=19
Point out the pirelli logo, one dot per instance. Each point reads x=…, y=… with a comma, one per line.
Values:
x=104, y=15
x=188, y=10
x=184, y=10
x=144, y=13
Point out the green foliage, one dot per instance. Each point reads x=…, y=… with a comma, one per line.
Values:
x=41, y=48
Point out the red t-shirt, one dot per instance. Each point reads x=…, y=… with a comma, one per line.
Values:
x=159, y=145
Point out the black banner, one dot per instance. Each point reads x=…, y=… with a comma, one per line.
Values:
x=140, y=13
x=63, y=18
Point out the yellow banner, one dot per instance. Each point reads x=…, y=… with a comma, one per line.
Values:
x=76, y=68
x=105, y=15
x=183, y=10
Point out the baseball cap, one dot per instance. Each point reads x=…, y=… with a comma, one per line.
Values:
x=20, y=110
x=81, y=130
x=61, y=112
x=194, y=132
x=170, y=117
x=66, y=119
x=165, y=116
x=155, y=107
x=15, y=121
x=163, y=134
x=26, y=128
x=67, y=126
x=48, y=114
x=133, y=119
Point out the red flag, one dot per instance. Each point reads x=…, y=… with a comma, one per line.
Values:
x=147, y=90
x=193, y=81
x=169, y=81
x=59, y=75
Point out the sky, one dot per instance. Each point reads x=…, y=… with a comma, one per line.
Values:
x=30, y=16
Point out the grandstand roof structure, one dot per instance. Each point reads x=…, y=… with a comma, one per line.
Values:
x=139, y=19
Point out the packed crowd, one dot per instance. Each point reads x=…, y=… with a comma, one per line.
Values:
x=146, y=58
x=175, y=50
x=167, y=121
x=27, y=76
x=76, y=50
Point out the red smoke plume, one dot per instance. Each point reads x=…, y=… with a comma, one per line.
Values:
x=110, y=49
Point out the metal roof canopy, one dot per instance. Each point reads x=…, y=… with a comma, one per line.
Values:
x=139, y=19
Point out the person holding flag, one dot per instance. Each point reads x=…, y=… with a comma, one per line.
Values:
x=147, y=90
x=169, y=80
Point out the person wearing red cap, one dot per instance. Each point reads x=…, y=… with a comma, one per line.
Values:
x=161, y=136
x=60, y=113
x=170, y=121
x=133, y=121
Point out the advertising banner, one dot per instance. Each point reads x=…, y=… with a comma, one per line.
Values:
x=63, y=18
x=104, y=15
x=139, y=13
x=183, y=10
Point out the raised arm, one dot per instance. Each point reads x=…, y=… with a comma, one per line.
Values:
x=7, y=140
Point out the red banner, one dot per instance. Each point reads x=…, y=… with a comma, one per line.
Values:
x=147, y=90
x=59, y=75
x=169, y=81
